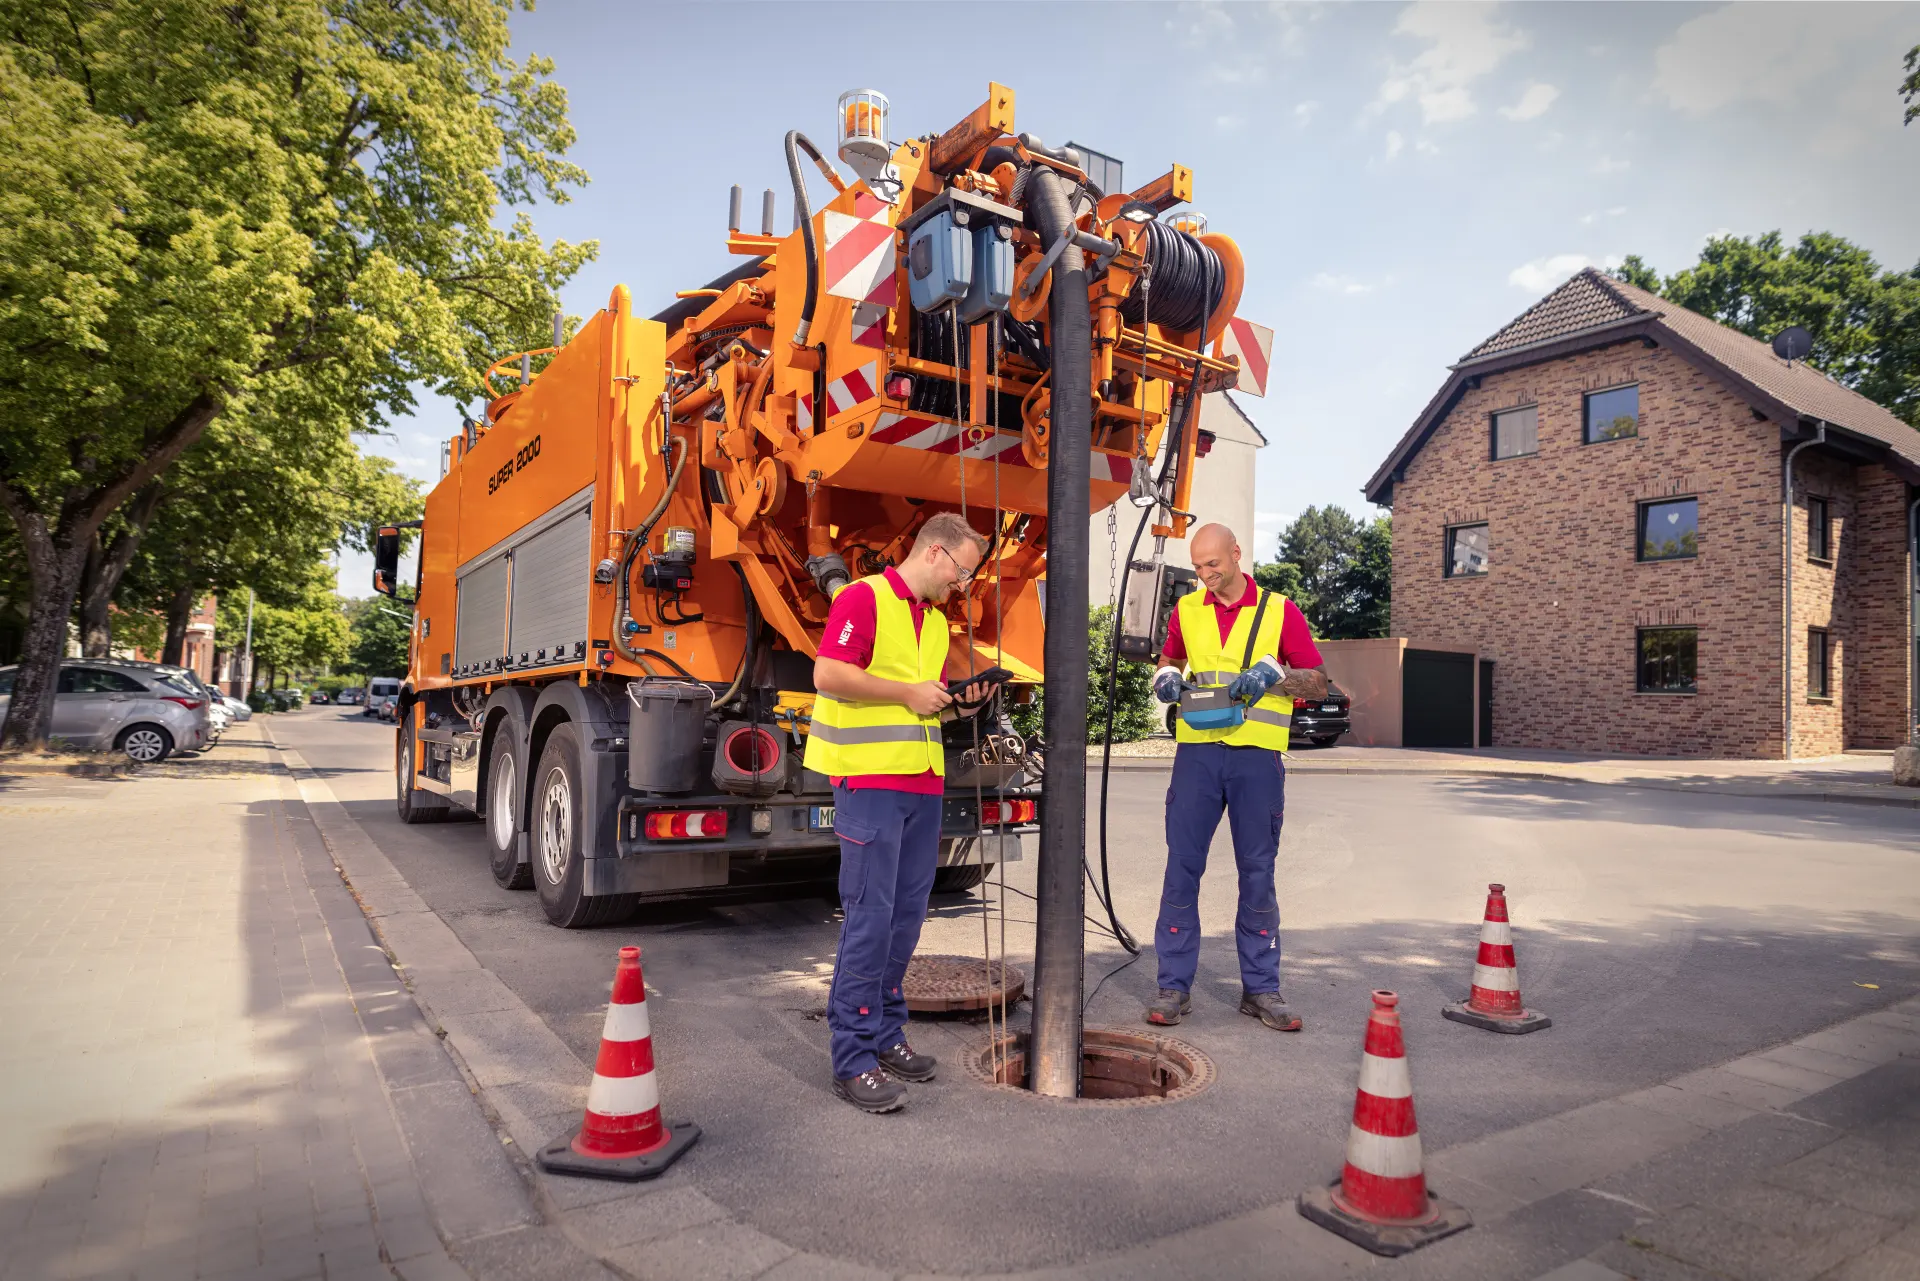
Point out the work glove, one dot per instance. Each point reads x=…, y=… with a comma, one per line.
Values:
x=1166, y=684
x=1249, y=686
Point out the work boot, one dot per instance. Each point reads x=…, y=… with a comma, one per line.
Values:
x=1270, y=1009
x=872, y=1091
x=1169, y=1007
x=901, y=1061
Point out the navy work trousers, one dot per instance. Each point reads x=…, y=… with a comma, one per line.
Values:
x=1249, y=783
x=889, y=847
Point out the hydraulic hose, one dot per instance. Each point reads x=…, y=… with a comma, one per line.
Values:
x=637, y=540
x=748, y=654
x=803, y=214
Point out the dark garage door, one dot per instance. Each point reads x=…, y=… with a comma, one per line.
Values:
x=1437, y=699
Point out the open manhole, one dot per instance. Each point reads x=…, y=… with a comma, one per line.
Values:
x=959, y=984
x=1117, y=1068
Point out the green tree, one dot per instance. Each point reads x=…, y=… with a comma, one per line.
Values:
x=1365, y=591
x=1910, y=87
x=1321, y=541
x=287, y=212
x=1337, y=570
x=1282, y=576
x=1634, y=271
x=380, y=632
x=311, y=632
x=1864, y=321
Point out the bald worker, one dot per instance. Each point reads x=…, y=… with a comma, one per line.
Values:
x=1230, y=632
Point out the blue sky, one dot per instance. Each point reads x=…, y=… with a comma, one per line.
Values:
x=1402, y=179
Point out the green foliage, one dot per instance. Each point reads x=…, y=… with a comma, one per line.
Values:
x=331, y=685
x=1337, y=570
x=310, y=632
x=381, y=629
x=1634, y=271
x=1865, y=322
x=284, y=218
x=1135, y=715
x=1910, y=87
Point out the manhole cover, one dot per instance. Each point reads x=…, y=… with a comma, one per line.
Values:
x=944, y=984
x=1117, y=1068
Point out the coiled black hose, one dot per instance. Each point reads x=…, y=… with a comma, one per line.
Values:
x=1188, y=280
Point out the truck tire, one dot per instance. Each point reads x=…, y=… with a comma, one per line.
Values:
x=416, y=806
x=506, y=801
x=556, y=837
x=959, y=877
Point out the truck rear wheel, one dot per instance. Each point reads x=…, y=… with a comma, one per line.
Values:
x=416, y=806
x=505, y=803
x=960, y=877
x=557, y=837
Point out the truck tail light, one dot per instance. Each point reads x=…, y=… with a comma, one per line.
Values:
x=900, y=386
x=994, y=813
x=686, y=825
x=191, y=704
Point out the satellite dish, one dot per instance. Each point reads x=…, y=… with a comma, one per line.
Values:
x=1792, y=344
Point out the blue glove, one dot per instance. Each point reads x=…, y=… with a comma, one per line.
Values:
x=1251, y=685
x=1166, y=684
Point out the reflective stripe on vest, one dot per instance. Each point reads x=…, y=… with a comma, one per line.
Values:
x=1212, y=661
x=885, y=738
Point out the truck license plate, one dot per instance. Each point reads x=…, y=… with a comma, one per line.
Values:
x=822, y=820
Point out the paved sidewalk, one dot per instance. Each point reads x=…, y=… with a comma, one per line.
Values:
x=213, y=1069
x=1857, y=777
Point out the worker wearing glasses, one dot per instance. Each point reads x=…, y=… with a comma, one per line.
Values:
x=876, y=735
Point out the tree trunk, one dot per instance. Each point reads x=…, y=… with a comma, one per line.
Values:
x=106, y=564
x=179, y=614
x=55, y=572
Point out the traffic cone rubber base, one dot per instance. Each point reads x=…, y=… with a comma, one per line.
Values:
x=561, y=1157
x=1525, y=1021
x=1388, y=1237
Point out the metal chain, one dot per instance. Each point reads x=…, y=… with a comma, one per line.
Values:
x=1113, y=553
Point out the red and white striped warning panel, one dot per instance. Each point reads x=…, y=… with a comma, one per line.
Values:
x=858, y=262
x=938, y=436
x=1254, y=345
x=855, y=387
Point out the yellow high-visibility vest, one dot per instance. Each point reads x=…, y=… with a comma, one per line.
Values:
x=1211, y=661
x=885, y=738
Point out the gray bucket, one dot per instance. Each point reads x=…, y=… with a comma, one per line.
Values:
x=664, y=734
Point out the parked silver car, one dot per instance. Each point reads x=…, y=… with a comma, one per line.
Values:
x=216, y=716
x=236, y=708
x=129, y=707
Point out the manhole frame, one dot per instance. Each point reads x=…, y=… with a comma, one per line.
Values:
x=1122, y=1044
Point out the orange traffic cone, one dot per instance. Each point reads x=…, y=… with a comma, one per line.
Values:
x=1494, y=1003
x=1381, y=1201
x=622, y=1136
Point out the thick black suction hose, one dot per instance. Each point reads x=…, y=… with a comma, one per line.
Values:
x=1059, y=973
x=803, y=214
x=1187, y=280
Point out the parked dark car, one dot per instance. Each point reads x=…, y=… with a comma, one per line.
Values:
x=1321, y=721
x=320, y=698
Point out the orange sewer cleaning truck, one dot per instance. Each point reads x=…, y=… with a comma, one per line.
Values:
x=626, y=566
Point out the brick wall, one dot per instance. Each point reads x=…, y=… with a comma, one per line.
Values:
x=1878, y=671
x=1559, y=608
x=1825, y=595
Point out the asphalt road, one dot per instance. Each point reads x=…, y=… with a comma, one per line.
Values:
x=1662, y=931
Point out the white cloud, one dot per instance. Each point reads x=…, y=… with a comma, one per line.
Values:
x=1303, y=113
x=1228, y=124
x=1607, y=164
x=1463, y=43
x=1587, y=220
x=1542, y=274
x=1533, y=103
x=1759, y=52
x=1426, y=148
x=1394, y=143
x=1334, y=282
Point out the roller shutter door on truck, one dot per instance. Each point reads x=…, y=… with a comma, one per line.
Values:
x=551, y=579
x=480, y=628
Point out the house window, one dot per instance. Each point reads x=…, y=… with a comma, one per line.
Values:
x=1670, y=530
x=1667, y=660
x=1613, y=414
x=1819, y=663
x=1516, y=432
x=1466, y=551
x=1819, y=529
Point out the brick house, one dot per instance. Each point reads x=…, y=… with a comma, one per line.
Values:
x=1594, y=501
